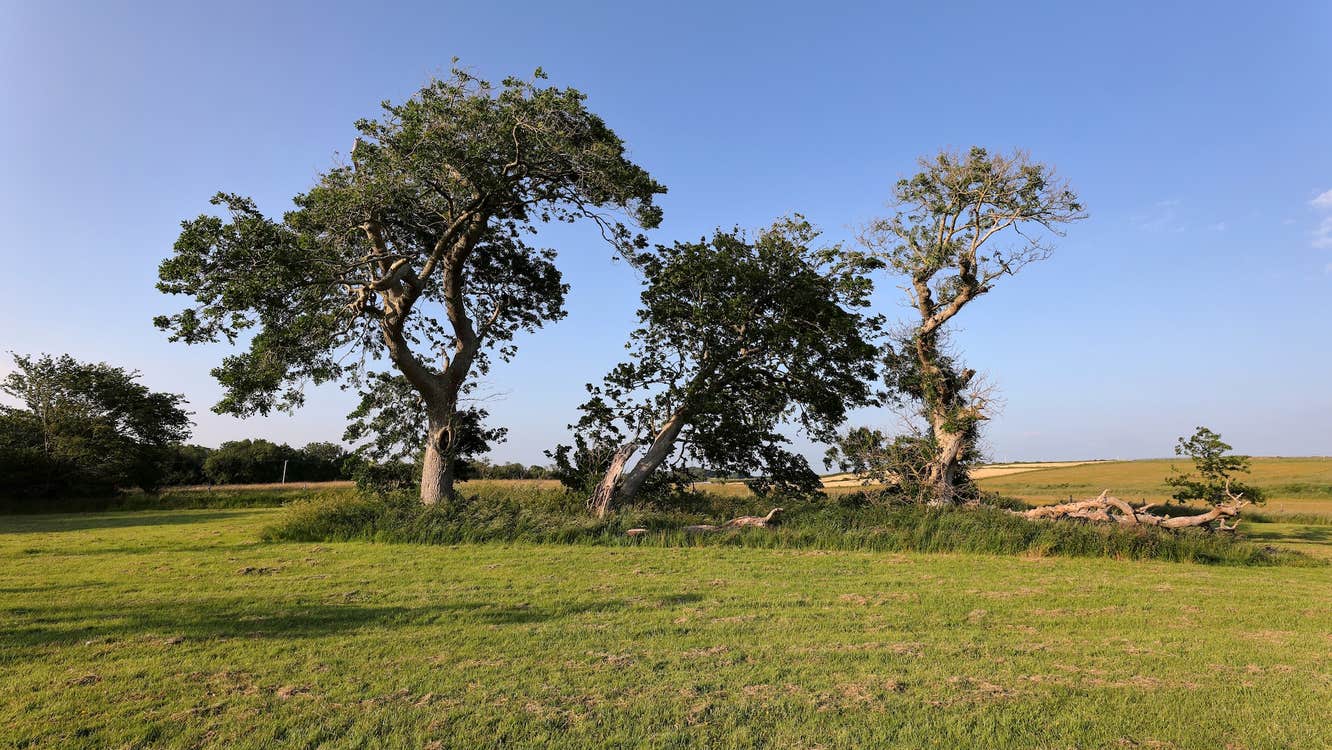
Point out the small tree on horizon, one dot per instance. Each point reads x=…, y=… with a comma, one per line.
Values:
x=1215, y=480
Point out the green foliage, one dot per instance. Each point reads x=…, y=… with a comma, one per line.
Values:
x=84, y=429
x=738, y=336
x=901, y=462
x=416, y=248
x=1216, y=471
x=246, y=462
x=184, y=464
x=511, y=470
x=261, y=461
x=386, y=425
x=579, y=467
x=385, y=477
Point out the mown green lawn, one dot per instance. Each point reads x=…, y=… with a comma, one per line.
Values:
x=180, y=629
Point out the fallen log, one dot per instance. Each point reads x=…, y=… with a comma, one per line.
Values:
x=756, y=522
x=1106, y=508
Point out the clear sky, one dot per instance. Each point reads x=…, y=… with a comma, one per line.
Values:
x=1199, y=136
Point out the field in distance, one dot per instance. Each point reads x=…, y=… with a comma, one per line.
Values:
x=981, y=472
x=1293, y=485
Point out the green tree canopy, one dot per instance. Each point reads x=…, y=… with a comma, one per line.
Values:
x=84, y=428
x=417, y=249
x=1217, y=472
x=738, y=336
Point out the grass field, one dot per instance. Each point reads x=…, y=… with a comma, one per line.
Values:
x=180, y=629
x=1293, y=485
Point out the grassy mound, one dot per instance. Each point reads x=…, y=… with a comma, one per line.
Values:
x=543, y=515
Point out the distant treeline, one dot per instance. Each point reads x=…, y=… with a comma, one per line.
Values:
x=260, y=462
x=255, y=462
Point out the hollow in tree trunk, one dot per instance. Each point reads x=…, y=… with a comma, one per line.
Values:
x=437, y=468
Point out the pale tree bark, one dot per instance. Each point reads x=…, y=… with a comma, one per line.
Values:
x=947, y=214
x=399, y=288
x=1108, y=509
x=604, y=494
x=437, y=467
x=617, y=488
x=943, y=472
x=952, y=422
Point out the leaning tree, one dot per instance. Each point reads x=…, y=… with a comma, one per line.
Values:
x=415, y=249
x=738, y=337
x=961, y=224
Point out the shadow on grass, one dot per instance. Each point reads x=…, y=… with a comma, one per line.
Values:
x=162, y=622
x=1314, y=534
x=674, y=600
x=111, y=520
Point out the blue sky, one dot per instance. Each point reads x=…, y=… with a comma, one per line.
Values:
x=1198, y=136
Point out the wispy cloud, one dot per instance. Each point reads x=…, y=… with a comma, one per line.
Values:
x=1322, y=236
x=1220, y=226
x=1163, y=217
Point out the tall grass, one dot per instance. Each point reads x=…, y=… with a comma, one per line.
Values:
x=543, y=515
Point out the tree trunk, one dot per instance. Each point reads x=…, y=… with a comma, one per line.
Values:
x=600, y=501
x=662, y=445
x=437, y=468
x=941, y=475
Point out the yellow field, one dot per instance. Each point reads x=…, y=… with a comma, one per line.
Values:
x=1293, y=485
x=848, y=479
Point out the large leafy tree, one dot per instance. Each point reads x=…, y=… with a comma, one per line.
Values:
x=415, y=249
x=963, y=223
x=84, y=428
x=738, y=336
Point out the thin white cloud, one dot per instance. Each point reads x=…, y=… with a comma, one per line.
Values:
x=1163, y=217
x=1220, y=226
x=1322, y=236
